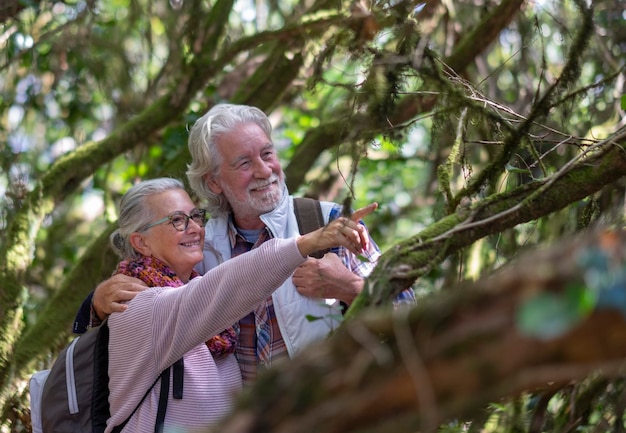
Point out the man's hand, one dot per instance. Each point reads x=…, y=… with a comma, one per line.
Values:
x=111, y=295
x=327, y=278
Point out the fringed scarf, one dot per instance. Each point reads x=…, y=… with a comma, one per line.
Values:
x=155, y=273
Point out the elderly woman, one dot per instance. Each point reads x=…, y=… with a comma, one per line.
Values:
x=160, y=238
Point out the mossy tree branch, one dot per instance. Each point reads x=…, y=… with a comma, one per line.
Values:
x=402, y=264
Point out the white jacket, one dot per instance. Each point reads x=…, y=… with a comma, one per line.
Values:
x=291, y=308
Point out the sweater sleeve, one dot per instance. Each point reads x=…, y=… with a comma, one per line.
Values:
x=168, y=322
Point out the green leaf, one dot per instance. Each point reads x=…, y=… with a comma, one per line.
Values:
x=362, y=258
x=581, y=298
x=623, y=102
x=549, y=315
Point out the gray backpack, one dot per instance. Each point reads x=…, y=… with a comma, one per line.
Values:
x=73, y=395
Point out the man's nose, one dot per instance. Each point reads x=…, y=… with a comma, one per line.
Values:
x=262, y=169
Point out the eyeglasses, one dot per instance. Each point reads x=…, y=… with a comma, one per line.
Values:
x=180, y=220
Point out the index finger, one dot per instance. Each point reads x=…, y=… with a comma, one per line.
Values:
x=363, y=212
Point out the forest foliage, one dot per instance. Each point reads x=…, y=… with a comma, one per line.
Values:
x=485, y=130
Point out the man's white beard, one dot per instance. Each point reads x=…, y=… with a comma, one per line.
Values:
x=257, y=204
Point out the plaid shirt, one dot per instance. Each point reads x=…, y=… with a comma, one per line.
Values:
x=260, y=341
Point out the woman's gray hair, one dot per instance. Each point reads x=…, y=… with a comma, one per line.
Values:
x=135, y=214
x=206, y=159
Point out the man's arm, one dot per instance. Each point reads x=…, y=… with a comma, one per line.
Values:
x=110, y=296
x=327, y=277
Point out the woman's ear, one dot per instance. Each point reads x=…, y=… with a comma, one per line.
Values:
x=212, y=184
x=138, y=242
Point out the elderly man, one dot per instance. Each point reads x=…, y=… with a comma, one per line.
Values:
x=235, y=168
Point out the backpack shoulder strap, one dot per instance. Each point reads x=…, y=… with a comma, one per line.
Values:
x=100, y=393
x=309, y=216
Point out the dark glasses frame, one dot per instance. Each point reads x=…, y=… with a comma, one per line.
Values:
x=180, y=220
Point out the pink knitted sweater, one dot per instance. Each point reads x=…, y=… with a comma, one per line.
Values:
x=163, y=324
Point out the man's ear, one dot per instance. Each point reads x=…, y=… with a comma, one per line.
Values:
x=212, y=184
x=138, y=242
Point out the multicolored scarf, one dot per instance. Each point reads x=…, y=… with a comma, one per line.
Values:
x=155, y=273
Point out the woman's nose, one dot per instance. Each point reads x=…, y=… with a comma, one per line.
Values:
x=193, y=225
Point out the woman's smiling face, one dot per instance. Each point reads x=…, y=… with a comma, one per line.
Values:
x=180, y=250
